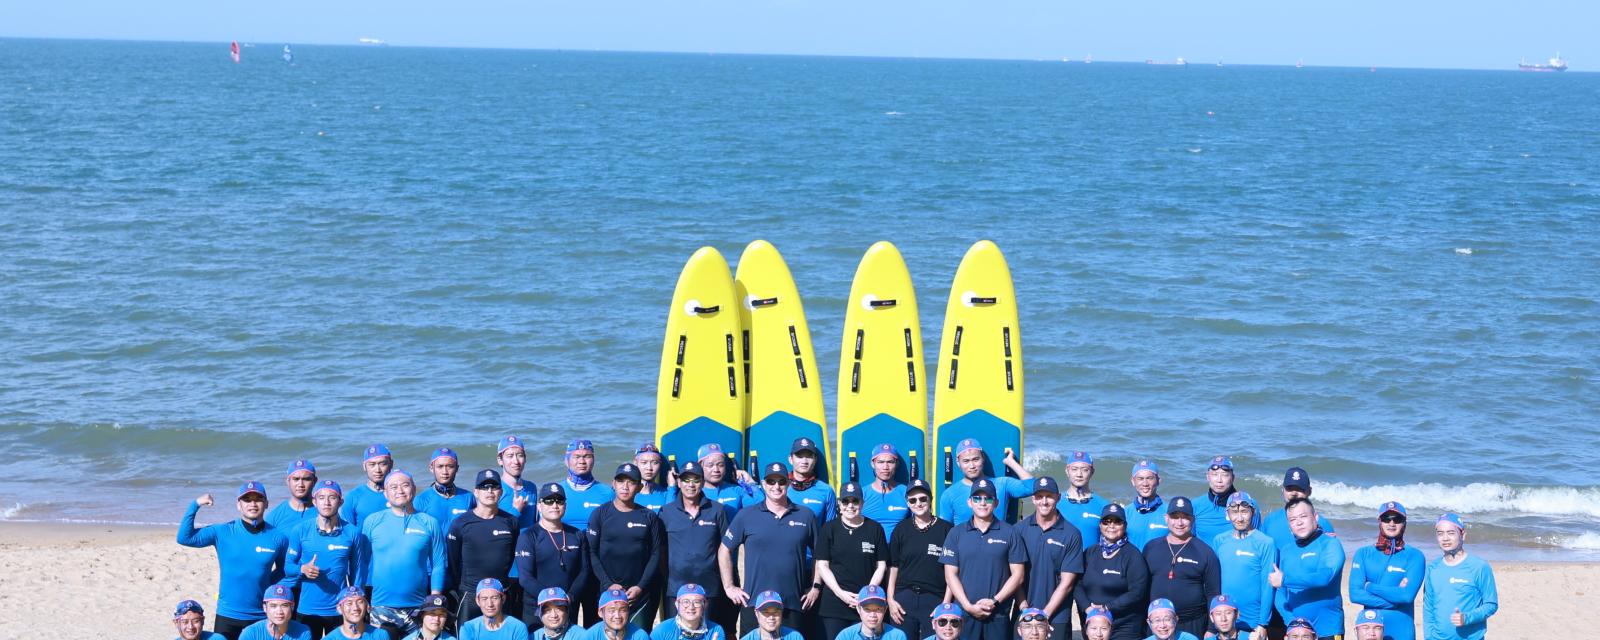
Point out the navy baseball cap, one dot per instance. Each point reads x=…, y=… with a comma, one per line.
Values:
x=1080, y=457
x=1392, y=507
x=1113, y=510
x=327, y=485
x=774, y=469
x=1145, y=465
x=804, y=444
x=885, y=449
x=277, y=592
x=1221, y=462
x=690, y=468
x=553, y=594
x=487, y=477
x=187, y=606
x=553, y=490
x=918, y=484
x=628, y=470
x=983, y=488
x=850, y=490
x=252, y=487
x=1181, y=505
x=377, y=450
x=489, y=584
x=508, y=442
x=434, y=602
x=443, y=452
x=1046, y=484
x=968, y=444
x=301, y=465
x=767, y=599
x=1297, y=477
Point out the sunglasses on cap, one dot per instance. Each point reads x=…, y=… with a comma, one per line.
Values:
x=1033, y=617
x=947, y=622
x=1218, y=467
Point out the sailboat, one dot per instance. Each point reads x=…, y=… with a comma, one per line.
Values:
x=233, y=51
x=288, y=56
x=1300, y=64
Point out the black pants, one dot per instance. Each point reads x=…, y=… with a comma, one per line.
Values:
x=832, y=626
x=918, y=604
x=997, y=627
x=319, y=625
x=1061, y=630
x=1196, y=625
x=792, y=618
x=229, y=628
x=643, y=611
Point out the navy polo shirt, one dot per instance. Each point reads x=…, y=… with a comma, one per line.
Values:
x=692, y=544
x=775, y=549
x=983, y=558
x=1050, y=551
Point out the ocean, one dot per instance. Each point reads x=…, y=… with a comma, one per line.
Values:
x=1388, y=277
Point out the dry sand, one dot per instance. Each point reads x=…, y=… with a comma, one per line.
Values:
x=124, y=580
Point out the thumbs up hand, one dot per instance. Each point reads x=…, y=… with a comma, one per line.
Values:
x=1457, y=619
x=1276, y=577
x=309, y=569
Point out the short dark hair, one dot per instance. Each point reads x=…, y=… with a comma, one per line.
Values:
x=1297, y=502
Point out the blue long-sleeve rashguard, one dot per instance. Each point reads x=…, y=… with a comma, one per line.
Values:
x=340, y=557
x=1375, y=579
x=248, y=562
x=405, y=557
x=1468, y=586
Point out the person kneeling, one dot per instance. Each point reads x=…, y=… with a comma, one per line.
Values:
x=872, y=604
x=494, y=624
x=1163, y=620
x=691, y=622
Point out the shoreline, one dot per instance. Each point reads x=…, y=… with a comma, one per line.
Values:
x=134, y=574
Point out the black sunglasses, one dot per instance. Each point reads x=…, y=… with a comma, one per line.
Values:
x=1393, y=519
x=947, y=622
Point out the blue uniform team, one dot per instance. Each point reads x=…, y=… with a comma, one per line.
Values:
x=699, y=549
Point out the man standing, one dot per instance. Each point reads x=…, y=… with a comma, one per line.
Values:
x=694, y=526
x=916, y=576
x=443, y=499
x=353, y=624
x=300, y=479
x=1296, y=484
x=1387, y=576
x=482, y=545
x=871, y=605
x=1211, y=514
x=984, y=562
x=554, y=554
x=1310, y=572
x=515, y=493
x=804, y=489
x=625, y=546
x=277, y=603
x=1183, y=569
x=324, y=557
x=406, y=557
x=494, y=624
x=1147, y=516
x=953, y=503
x=585, y=493
x=777, y=536
x=250, y=556
x=653, y=492
x=689, y=619
x=190, y=619
x=1460, y=595
x=1055, y=557
x=1080, y=506
x=885, y=502
x=369, y=498
x=1247, y=557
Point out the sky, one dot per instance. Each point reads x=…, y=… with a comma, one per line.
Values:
x=1394, y=33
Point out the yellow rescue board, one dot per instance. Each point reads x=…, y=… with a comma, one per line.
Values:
x=882, y=396
x=700, y=392
x=782, y=383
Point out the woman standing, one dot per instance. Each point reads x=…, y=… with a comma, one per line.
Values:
x=851, y=554
x=1115, y=577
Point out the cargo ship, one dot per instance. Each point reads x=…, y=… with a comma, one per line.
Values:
x=1555, y=64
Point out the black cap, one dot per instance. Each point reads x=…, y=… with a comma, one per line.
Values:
x=434, y=602
x=983, y=488
x=690, y=468
x=553, y=490
x=1182, y=505
x=1046, y=484
x=918, y=484
x=1113, y=510
x=805, y=444
x=1297, y=477
x=487, y=477
x=774, y=469
x=850, y=490
x=628, y=470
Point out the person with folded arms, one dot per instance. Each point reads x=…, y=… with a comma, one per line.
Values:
x=1115, y=578
x=324, y=557
x=916, y=576
x=277, y=603
x=1386, y=577
x=250, y=556
x=1460, y=594
x=985, y=561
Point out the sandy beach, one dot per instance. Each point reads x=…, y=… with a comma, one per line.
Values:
x=129, y=577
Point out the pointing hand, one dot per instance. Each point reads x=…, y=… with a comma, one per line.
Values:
x=310, y=569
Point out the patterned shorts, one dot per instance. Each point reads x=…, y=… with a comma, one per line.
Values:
x=402, y=618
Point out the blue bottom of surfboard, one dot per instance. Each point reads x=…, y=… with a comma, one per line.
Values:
x=996, y=435
x=878, y=429
x=771, y=437
x=680, y=444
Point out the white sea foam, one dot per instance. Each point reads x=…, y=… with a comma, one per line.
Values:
x=1463, y=251
x=1477, y=497
x=1041, y=461
x=1587, y=541
x=12, y=511
x=893, y=113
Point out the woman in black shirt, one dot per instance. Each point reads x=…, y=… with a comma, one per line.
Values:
x=1115, y=576
x=851, y=554
x=916, y=579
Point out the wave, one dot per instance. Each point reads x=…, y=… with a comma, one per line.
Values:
x=1587, y=541
x=1477, y=497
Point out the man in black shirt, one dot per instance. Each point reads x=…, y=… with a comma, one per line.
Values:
x=552, y=553
x=851, y=554
x=626, y=542
x=916, y=579
x=482, y=543
x=1183, y=569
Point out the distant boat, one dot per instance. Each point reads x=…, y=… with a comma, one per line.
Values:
x=372, y=41
x=1179, y=62
x=288, y=56
x=233, y=51
x=1088, y=59
x=1300, y=64
x=1066, y=59
x=1219, y=63
x=1555, y=64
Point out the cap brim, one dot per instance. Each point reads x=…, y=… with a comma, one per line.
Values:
x=252, y=492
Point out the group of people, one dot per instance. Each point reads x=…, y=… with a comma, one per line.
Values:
x=701, y=550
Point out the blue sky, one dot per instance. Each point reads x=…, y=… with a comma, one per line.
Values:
x=1465, y=34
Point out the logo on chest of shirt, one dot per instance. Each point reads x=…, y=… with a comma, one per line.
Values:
x=995, y=541
x=810, y=501
x=1308, y=554
x=337, y=547
x=1181, y=559
x=636, y=524
x=796, y=524
x=590, y=505
x=1110, y=572
x=727, y=499
x=1459, y=581
x=893, y=508
x=1243, y=553
x=457, y=512
x=935, y=550
x=1154, y=527
x=705, y=523
x=868, y=547
x=1091, y=516
x=499, y=532
x=263, y=550
x=1054, y=542
x=416, y=531
x=1396, y=569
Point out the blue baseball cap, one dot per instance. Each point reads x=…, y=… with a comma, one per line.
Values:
x=804, y=444
x=691, y=589
x=1392, y=506
x=648, y=447
x=1046, y=484
x=946, y=610
x=1080, y=457
x=1145, y=465
x=187, y=606
x=1031, y=614
x=1159, y=604
x=301, y=465
x=1241, y=497
x=1097, y=612
x=768, y=599
x=1369, y=617
x=885, y=449
x=397, y=473
x=1300, y=623
x=967, y=444
x=870, y=594
x=983, y=488
x=252, y=487
x=1222, y=600
x=1297, y=477
x=509, y=441
x=850, y=490
x=327, y=485
x=918, y=484
x=378, y=450
x=1221, y=462
x=349, y=592
x=489, y=584
x=712, y=450
x=1452, y=519
x=553, y=594
x=279, y=593
x=443, y=452
x=552, y=490
x=774, y=469
x=1181, y=505
x=1113, y=510
x=612, y=596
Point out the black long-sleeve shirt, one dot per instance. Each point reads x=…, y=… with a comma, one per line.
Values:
x=480, y=548
x=1120, y=583
x=625, y=547
x=553, y=559
x=1195, y=575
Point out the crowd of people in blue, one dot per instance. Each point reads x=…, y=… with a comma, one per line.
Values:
x=698, y=550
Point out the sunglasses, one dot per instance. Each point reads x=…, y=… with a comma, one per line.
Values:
x=552, y=501
x=780, y=482
x=1392, y=519
x=917, y=500
x=849, y=501
x=982, y=499
x=947, y=622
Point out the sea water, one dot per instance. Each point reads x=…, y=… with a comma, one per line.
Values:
x=1390, y=278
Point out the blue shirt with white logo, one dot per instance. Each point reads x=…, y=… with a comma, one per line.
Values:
x=731, y=495
x=1084, y=516
x=1311, y=581
x=338, y=556
x=1375, y=579
x=1146, y=525
x=953, y=499
x=405, y=557
x=444, y=509
x=887, y=508
x=854, y=632
x=478, y=629
x=361, y=502
x=1246, y=564
x=258, y=631
x=581, y=503
x=1468, y=587
x=248, y=562
x=284, y=517
x=668, y=630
